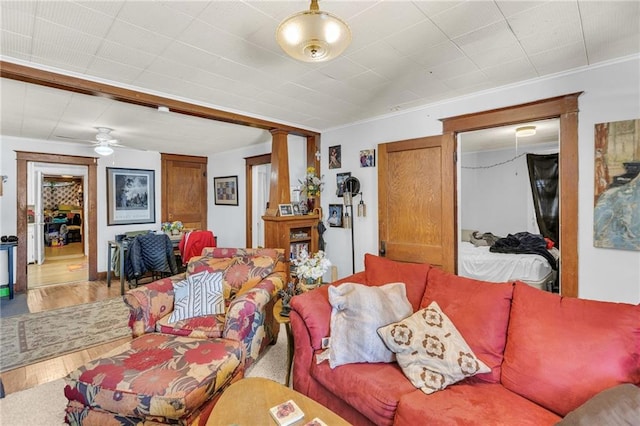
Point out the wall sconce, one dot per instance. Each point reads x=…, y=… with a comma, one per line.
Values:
x=362, y=208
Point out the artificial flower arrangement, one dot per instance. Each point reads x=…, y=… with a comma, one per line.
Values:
x=312, y=184
x=172, y=226
x=310, y=269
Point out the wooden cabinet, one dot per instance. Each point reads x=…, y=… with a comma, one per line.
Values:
x=291, y=233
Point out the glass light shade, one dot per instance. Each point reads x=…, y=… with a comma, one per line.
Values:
x=347, y=198
x=103, y=150
x=313, y=35
x=525, y=131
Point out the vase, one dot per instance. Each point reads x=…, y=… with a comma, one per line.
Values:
x=311, y=204
x=311, y=283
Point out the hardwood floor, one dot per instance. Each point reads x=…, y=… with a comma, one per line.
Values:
x=62, y=264
x=53, y=297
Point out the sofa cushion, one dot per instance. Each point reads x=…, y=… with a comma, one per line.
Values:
x=240, y=273
x=430, y=350
x=199, y=264
x=203, y=327
x=570, y=347
x=619, y=405
x=357, y=312
x=249, y=271
x=471, y=404
x=197, y=295
x=372, y=389
x=380, y=271
x=480, y=311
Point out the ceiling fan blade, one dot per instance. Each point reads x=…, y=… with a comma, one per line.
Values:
x=73, y=139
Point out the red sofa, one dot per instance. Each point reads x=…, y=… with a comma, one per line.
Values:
x=548, y=354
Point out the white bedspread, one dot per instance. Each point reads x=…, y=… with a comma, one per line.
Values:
x=481, y=264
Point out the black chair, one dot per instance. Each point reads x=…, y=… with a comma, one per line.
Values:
x=150, y=253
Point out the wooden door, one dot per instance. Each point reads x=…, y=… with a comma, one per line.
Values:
x=416, y=211
x=184, y=190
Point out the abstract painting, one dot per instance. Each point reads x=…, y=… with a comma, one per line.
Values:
x=616, y=221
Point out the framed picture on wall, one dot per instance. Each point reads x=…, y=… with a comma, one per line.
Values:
x=130, y=196
x=226, y=190
x=335, y=215
x=335, y=157
x=368, y=158
x=340, y=178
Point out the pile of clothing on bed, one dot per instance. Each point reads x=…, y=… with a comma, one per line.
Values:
x=519, y=243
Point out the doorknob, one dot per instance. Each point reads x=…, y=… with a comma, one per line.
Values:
x=383, y=248
x=170, y=216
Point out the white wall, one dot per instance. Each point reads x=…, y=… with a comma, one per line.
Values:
x=498, y=199
x=121, y=158
x=610, y=93
x=228, y=223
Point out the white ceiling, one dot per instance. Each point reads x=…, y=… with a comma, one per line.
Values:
x=223, y=54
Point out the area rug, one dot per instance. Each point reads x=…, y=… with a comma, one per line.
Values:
x=12, y=307
x=17, y=408
x=30, y=338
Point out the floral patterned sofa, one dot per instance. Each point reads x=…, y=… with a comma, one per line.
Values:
x=173, y=373
x=252, y=278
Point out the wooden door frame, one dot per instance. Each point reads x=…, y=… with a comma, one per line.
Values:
x=22, y=158
x=250, y=162
x=565, y=108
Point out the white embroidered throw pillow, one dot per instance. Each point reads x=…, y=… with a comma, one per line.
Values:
x=357, y=312
x=198, y=295
x=430, y=350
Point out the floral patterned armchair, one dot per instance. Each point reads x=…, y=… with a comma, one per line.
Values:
x=251, y=279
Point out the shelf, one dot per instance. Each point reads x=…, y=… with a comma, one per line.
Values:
x=292, y=233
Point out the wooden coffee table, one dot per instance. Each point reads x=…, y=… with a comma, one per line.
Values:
x=247, y=403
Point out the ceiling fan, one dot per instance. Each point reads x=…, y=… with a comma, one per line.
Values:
x=104, y=142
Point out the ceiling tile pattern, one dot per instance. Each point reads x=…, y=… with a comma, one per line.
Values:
x=223, y=54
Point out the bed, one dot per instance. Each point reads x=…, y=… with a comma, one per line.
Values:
x=479, y=263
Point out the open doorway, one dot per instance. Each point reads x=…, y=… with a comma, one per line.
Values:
x=23, y=169
x=496, y=201
x=260, y=194
x=257, y=173
x=57, y=249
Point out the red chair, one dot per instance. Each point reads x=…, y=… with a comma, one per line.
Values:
x=192, y=243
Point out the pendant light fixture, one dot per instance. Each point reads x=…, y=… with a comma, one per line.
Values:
x=313, y=35
x=524, y=131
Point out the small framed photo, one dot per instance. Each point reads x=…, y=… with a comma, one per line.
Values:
x=226, y=188
x=368, y=158
x=285, y=209
x=296, y=209
x=335, y=157
x=335, y=215
x=340, y=178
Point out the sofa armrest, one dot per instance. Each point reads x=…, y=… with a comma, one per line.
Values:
x=247, y=318
x=149, y=303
